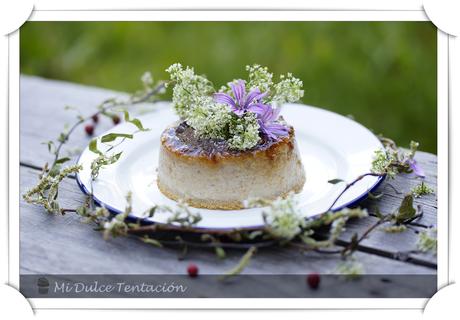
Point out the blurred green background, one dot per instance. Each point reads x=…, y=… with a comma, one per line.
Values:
x=382, y=73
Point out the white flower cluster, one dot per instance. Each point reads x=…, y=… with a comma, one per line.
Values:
x=188, y=86
x=289, y=89
x=209, y=119
x=259, y=77
x=284, y=218
x=193, y=102
x=244, y=132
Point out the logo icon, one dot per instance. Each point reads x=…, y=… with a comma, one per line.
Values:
x=43, y=285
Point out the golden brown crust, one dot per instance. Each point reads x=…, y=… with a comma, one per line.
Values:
x=270, y=153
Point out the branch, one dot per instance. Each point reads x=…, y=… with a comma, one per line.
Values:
x=349, y=185
x=103, y=110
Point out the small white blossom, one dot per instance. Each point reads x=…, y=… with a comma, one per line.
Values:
x=259, y=77
x=209, y=119
x=244, y=132
x=284, y=218
x=427, y=240
x=382, y=163
x=289, y=89
x=188, y=87
x=147, y=79
x=351, y=270
x=421, y=190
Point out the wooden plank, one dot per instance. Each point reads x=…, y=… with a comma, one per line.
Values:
x=400, y=245
x=404, y=183
x=45, y=98
x=63, y=244
x=43, y=115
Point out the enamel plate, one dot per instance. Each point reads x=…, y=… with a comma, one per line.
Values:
x=331, y=146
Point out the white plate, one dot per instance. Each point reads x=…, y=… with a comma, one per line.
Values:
x=331, y=146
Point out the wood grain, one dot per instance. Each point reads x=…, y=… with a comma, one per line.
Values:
x=62, y=244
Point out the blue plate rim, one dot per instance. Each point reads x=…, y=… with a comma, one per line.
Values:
x=145, y=221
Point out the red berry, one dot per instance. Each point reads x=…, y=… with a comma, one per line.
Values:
x=192, y=270
x=115, y=119
x=95, y=118
x=89, y=128
x=313, y=280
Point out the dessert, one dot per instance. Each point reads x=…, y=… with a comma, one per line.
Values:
x=231, y=145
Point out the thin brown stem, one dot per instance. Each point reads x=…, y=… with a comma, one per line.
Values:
x=66, y=137
x=64, y=211
x=103, y=109
x=352, y=246
x=170, y=227
x=349, y=185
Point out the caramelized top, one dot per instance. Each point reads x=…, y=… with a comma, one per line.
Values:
x=181, y=138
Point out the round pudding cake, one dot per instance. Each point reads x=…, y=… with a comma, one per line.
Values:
x=206, y=173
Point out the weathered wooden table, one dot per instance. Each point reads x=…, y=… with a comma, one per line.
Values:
x=64, y=245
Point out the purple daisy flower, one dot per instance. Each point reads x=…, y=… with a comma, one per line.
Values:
x=416, y=168
x=242, y=101
x=266, y=116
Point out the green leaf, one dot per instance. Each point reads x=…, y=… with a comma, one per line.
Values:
x=378, y=214
x=335, y=181
x=138, y=124
x=62, y=160
x=244, y=261
x=406, y=210
x=353, y=242
x=220, y=253
x=112, y=136
x=93, y=147
x=395, y=228
x=427, y=241
x=134, y=121
x=151, y=212
x=254, y=234
x=115, y=157
x=83, y=211
x=55, y=170
x=374, y=196
x=151, y=241
x=50, y=145
x=62, y=137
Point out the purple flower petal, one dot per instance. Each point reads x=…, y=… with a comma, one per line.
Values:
x=239, y=90
x=239, y=112
x=257, y=108
x=278, y=129
x=275, y=114
x=254, y=95
x=265, y=112
x=224, y=98
x=266, y=117
x=416, y=168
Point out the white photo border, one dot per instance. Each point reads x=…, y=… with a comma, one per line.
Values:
x=232, y=15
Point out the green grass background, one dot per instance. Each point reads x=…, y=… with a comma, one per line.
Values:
x=382, y=73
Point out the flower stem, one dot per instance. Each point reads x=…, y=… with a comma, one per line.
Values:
x=349, y=185
x=104, y=109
